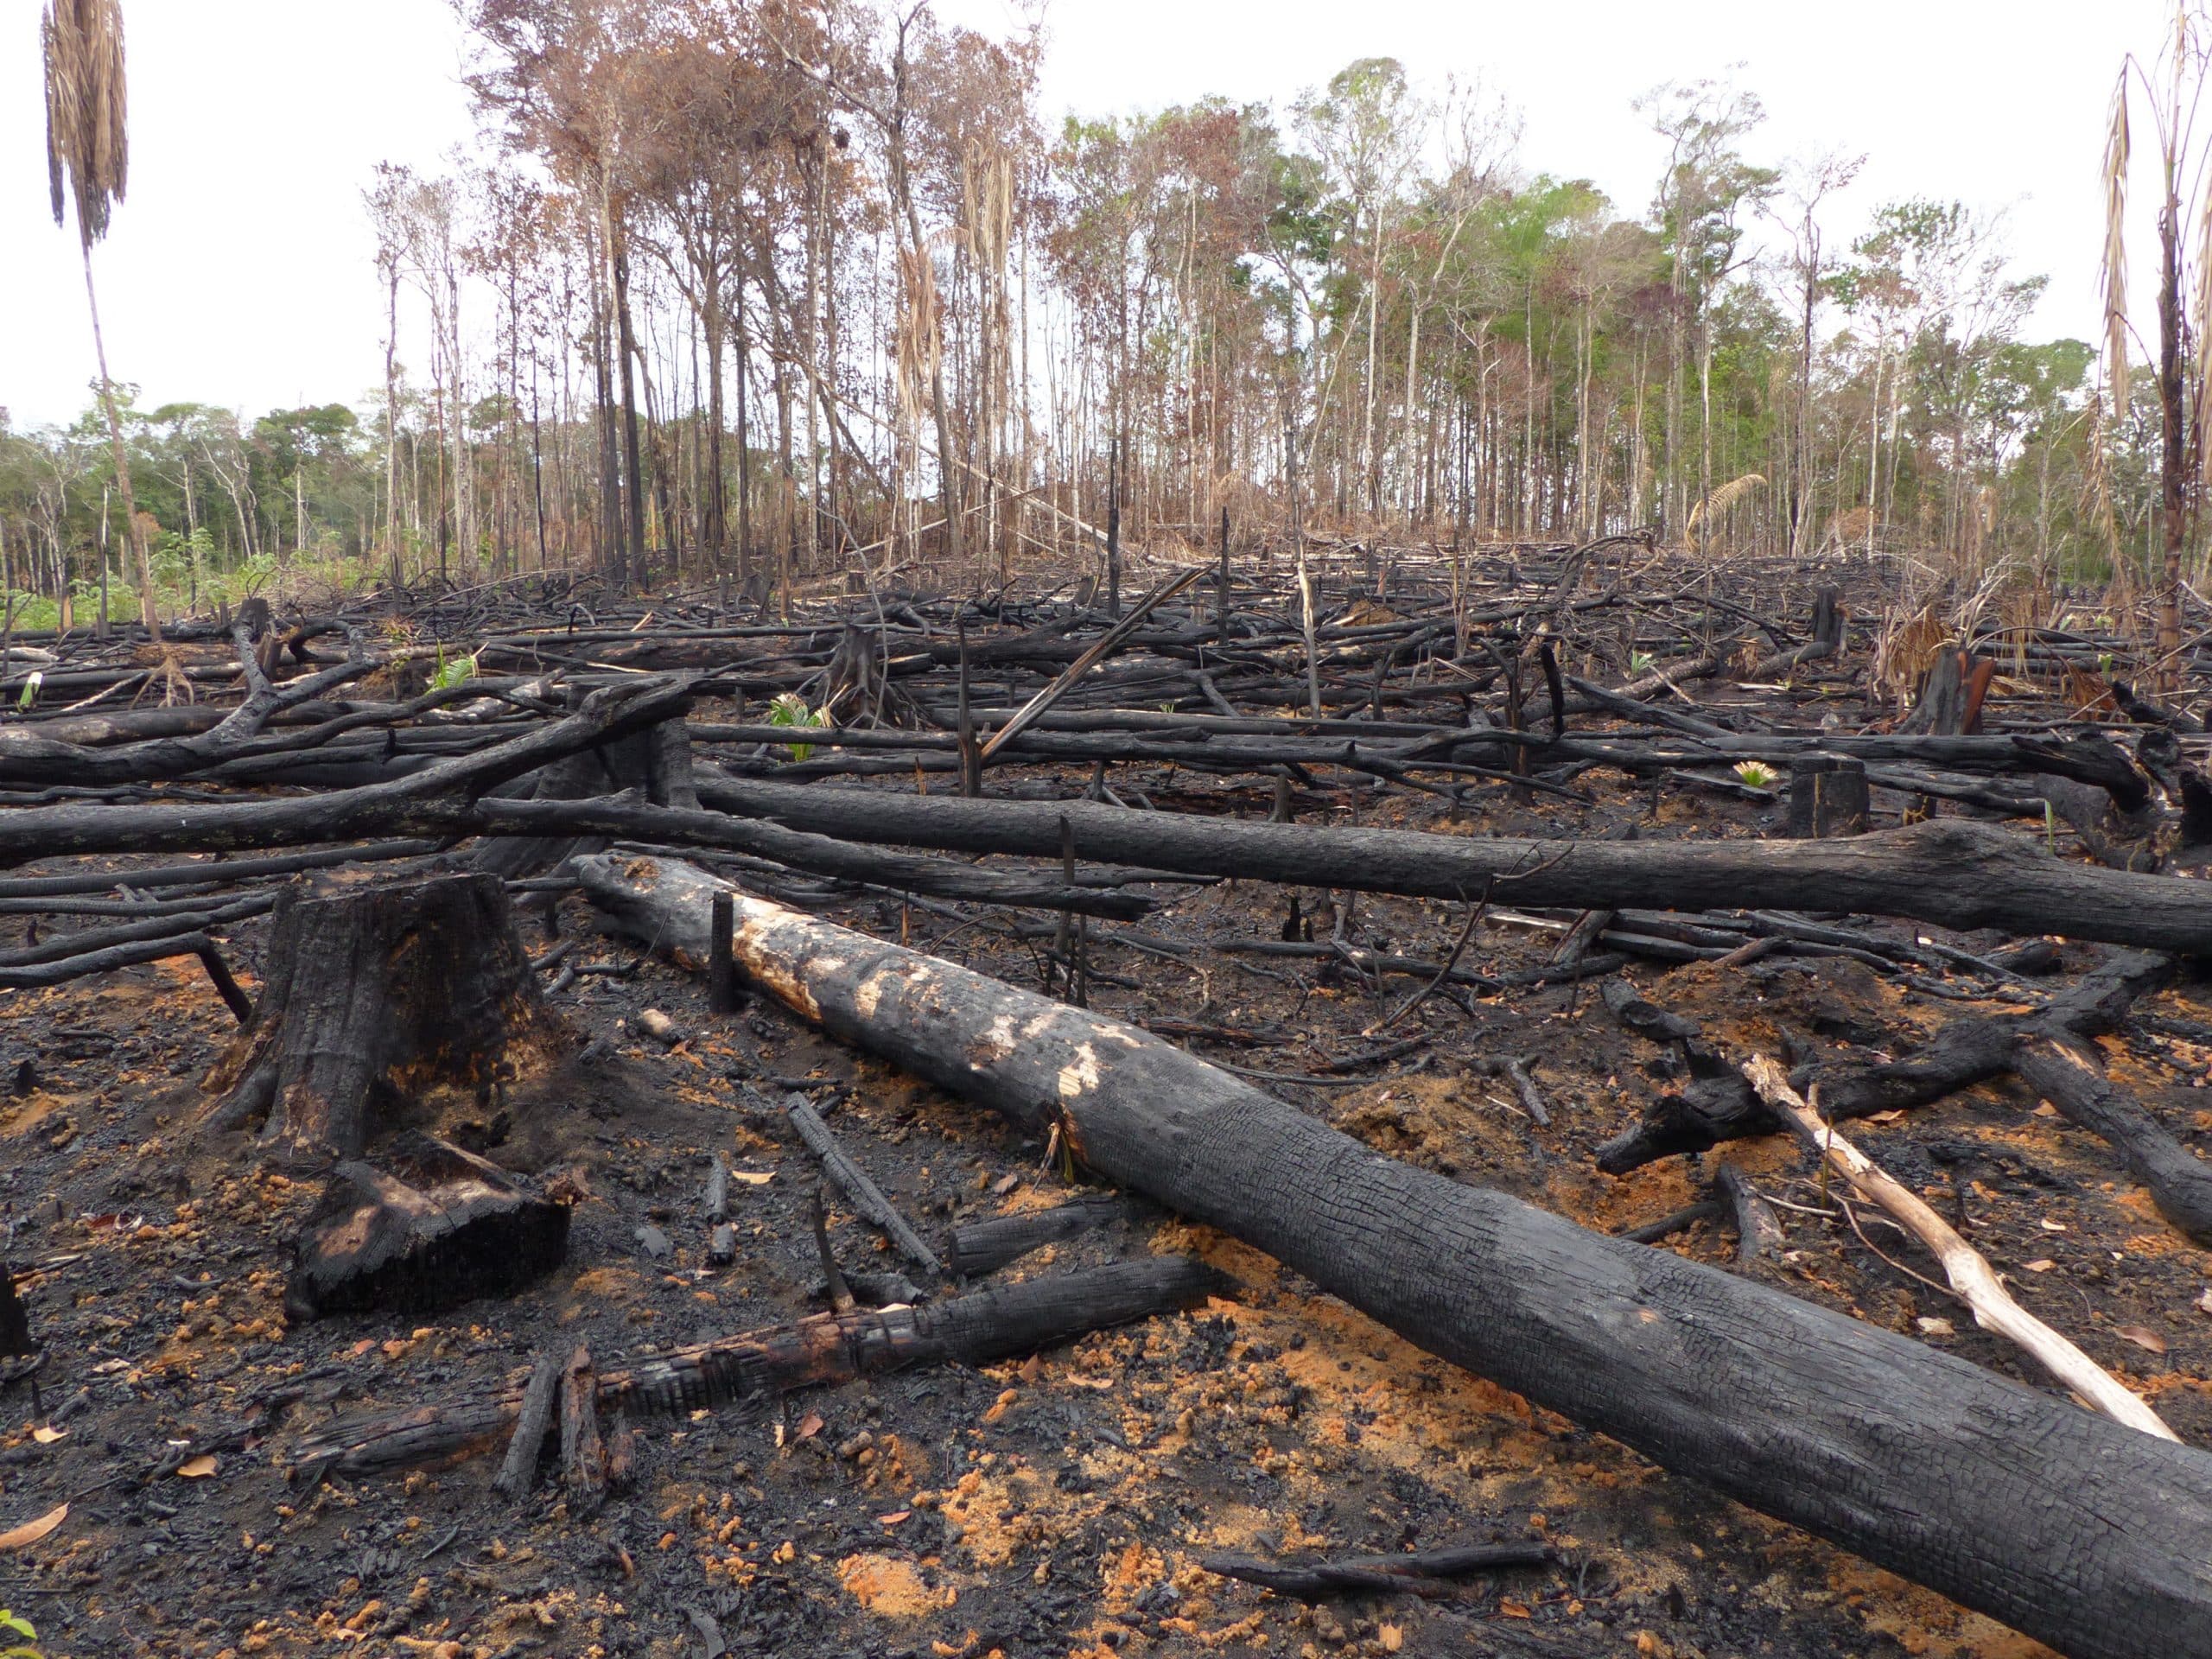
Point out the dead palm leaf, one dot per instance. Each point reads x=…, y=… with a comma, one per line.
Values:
x=87, y=145
x=87, y=137
x=1712, y=506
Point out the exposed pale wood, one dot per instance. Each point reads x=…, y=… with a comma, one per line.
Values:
x=1967, y=1269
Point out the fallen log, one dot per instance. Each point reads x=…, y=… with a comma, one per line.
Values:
x=983, y=1247
x=197, y=944
x=1429, y=1574
x=447, y=784
x=2079, y=1531
x=212, y=872
x=1946, y=870
x=396, y=807
x=974, y=1330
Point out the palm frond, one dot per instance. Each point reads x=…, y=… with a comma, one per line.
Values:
x=86, y=132
x=1709, y=507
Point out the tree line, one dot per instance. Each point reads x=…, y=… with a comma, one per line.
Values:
x=783, y=286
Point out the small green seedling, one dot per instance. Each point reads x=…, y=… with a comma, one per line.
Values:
x=11, y=1626
x=458, y=671
x=1752, y=775
x=789, y=710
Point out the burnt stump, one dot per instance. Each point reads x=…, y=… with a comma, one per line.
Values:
x=379, y=998
x=425, y=1227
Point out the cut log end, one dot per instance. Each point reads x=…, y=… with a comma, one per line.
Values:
x=425, y=1228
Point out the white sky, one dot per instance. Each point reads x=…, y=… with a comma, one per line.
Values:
x=239, y=270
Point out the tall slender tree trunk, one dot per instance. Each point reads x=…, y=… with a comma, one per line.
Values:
x=2174, y=456
x=391, y=422
x=716, y=500
x=1801, y=477
x=146, y=614
x=744, y=441
x=464, y=483
x=630, y=564
x=633, y=481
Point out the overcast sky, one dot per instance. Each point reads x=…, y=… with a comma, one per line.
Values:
x=239, y=270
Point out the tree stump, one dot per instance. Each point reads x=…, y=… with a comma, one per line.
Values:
x=435, y=1227
x=1827, y=796
x=1829, y=616
x=655, y=763
x=379, y=998
x=1948, y=703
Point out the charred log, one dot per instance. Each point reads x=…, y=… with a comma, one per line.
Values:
x=427, y=1227
x=984, y=1247
x=1430, y=1574
x=1990, y=1492
x=1946, y=870
x=972, y=1330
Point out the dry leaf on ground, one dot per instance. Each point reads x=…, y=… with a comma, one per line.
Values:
x=31, y=1531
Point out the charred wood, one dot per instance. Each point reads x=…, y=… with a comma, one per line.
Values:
x=1990, y=1492
x=1947, y=871
x=974, y=1329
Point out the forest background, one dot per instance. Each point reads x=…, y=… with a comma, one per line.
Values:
x=790, y=288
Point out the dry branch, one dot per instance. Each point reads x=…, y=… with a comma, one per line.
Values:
x=1970, y=1273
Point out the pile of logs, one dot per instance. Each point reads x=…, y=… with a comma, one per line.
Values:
x=639, y=761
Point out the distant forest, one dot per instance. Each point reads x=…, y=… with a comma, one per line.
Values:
x=778, y=287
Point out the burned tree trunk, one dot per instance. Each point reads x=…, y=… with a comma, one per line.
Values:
x=655, y=764
x=973, y=1330
x=2077, y=1530
x=378, y=999
x=1947, y=871
x=435, y=1228
x=1827, y=796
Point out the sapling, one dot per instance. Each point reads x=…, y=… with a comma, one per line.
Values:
x=789, y=710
